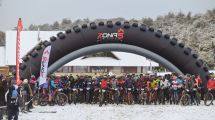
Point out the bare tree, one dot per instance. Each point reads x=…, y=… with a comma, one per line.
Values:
x=2, y=38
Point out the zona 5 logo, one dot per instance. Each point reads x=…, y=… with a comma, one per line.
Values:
x=119, y=35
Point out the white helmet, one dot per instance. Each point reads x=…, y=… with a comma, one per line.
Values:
x=25, y=81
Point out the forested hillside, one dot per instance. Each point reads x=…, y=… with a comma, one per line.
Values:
x=197, y=31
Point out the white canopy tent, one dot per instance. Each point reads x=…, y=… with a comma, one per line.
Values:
x=124, y=59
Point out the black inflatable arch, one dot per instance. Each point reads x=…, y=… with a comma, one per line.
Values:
x=117, y=33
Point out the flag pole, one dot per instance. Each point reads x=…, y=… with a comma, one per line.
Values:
x=19, y=29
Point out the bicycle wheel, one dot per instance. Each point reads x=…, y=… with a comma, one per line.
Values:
x=70, y=98
x=88, y=97
x=155, y=97
x=140, y=98
x=185, y=100
x=208, y=100
x=101, y=99
x=198, y=99
x=130, y=98
x=74, y=97
x=117, y=97
x=43, y=100
x=161, y=97
x=62, y=99
x=35, y=100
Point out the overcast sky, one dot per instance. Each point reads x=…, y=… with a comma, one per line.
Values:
x=48, y=11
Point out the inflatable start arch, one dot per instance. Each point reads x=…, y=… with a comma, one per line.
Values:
x=118, y=36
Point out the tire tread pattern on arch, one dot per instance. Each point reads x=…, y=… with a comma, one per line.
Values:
x=149, y=32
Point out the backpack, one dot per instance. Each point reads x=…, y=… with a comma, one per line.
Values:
x=14, y=96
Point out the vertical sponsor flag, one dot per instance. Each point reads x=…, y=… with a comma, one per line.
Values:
x=44, y=65
x=19, y=29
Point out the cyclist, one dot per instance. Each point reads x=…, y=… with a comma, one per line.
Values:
x=113, y=82
x=198, y=85
x=175, y=85
x=139, y=84
x=52, y=89
x=80, y=86
x=104, y=88
x=148, y=88
x=44, y=86
x=211, y=85
x=104, y=83
x=58, y=82
x=88, y=88
x=113, y=85
x=129, y=84
x=121, y=86
x=180, y=81
x=33, y=84
x=88, y=82
x=96, y=87
x=189, y=85
x=164, y=85
x=71, y=83
x=155, y=83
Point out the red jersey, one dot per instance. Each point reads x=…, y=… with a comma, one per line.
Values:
x=211, y=84
x=198, y=81
x=120, y=81
x=104, y=84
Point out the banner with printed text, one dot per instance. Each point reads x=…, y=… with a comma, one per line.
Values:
x=44, y=65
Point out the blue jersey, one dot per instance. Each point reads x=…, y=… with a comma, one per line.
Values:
x=52, y=84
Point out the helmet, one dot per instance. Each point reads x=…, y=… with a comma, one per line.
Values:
x=25, y=81
x=32, y=76
x=187, y=76
x=180, y=76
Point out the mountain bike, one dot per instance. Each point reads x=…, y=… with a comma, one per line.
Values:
x=74, y=95
x=88, y=91
x=208, y=99
x=153, y=96
x=129, y=96
x=81, y=95
x=197, y=96
x=116, y=95
x=60, y=98
x=102, y=97
x=185, y=98
x=174, y=95
x=161, y=96
x=40, y=99
x=142, y=96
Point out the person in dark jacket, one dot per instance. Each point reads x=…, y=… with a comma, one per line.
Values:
x=189, y=85
x=12, y=98
x=26, y=94
x=2, y=92
x=1, y=96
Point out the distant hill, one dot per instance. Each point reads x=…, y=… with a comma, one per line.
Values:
x=197, y=32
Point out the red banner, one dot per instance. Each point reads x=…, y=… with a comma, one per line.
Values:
x=19, y=29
